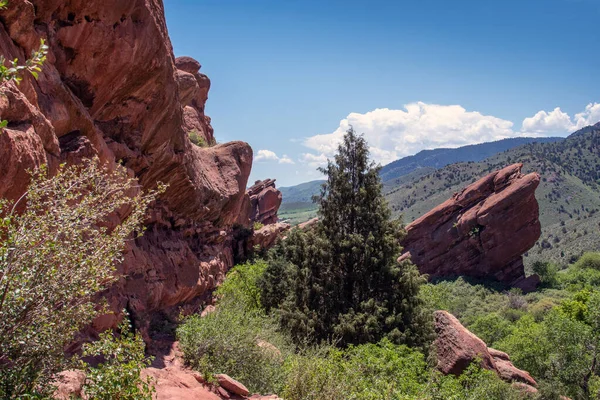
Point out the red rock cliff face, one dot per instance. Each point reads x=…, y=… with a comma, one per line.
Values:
x=480, y=232
x=111, y=87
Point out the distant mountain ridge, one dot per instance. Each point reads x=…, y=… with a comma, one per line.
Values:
x=423, y=162
x=439, y=158
x=301, y=193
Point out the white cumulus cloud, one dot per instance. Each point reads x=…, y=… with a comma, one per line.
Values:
x=393, y=134
x=268, y=155
x=553, y=121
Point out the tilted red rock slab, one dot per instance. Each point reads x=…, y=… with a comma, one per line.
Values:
x=456, y=348
x=480, y=232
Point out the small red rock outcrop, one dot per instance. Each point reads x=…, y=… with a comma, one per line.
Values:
x=481, y=232
x=171, y=379
x=267, y=236
x=264, y=200
x=456, y=348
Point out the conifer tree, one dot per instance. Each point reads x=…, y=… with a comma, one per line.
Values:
x=344, y=279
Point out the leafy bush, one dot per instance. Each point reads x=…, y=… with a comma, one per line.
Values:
x=385, y=371
x=242, y=343
x=54, y=257
x=199, y=140
x=258, y=225
x=588, y=261
x=118, y=376
x=547, y=272
x=241, y=285
x=491, y=328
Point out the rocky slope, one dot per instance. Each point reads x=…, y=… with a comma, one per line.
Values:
x=481, y=231
x=111, y=87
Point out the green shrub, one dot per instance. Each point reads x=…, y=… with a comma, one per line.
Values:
x=588, y=261
x=238, y=342
x=491, y=328
x=317, y=374
x=241, y=285
x=54, y=258
x=118, y=376
x=197, y=139
x=258, y=225
x=547, y=272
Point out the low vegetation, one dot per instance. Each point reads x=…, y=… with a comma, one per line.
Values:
x=54, y=257
x=242, y=340
x=119, y=375
x=198, y=139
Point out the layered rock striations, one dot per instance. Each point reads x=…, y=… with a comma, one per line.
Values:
x=481, y=232
x=264, y=201
x=112, y=88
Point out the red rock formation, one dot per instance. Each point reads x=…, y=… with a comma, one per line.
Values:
x=264, y=202
x=267, y=236
x=456, y=348
x=480, y=232
x=111, y=87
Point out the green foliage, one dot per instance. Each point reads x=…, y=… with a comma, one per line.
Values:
x=588, y=261
x=238, y=342
x=370, y=372
x=560, y=350
x=385, y=371
x=346, y=283
x=198, y=139
x=241, y=285
x=547, y=272
x=33, y=65
x=118, y=376
x=491, y=328
x=13, y=72
x=54, y=257
x=258, y=225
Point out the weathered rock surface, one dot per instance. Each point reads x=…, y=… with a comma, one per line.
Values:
x=231, y=385
x=112, y=87
x=481, y=232
x=456, y=348
x=267, y=236
x=264, y=202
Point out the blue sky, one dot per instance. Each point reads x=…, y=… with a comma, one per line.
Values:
x=289, y=76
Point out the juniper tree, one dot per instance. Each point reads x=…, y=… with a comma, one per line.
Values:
x=346, y=282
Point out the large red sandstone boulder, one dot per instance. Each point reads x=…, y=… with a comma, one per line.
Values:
x=481, y=232
x=112, y=87
x=263, y=202
x=456, y=348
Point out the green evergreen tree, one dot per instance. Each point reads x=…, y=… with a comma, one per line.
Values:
x=345, y=282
